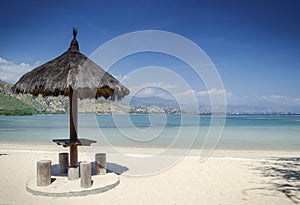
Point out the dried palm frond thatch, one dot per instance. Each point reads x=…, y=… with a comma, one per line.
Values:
x=71, y=69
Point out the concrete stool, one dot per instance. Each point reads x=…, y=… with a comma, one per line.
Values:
x=43, y=172
x=100, y=163
x=85, y=175
x=73, y=173
x=63, y=162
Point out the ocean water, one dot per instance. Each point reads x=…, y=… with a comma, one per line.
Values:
x=240, y=132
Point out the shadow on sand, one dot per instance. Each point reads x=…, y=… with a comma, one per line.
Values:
x=110, y=168
x=283, y=176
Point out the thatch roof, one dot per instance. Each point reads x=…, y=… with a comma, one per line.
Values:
x=71, y=69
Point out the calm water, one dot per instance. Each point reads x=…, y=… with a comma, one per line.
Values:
x=262, y=132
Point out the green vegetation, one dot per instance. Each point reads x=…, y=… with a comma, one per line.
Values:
x=26, y=104
x=17, y=112
x=12, y=106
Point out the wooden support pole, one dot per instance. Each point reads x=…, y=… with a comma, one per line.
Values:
x=85, y=175
x=73, y=126
x=73, y=156
x=43, y=173
x=63, y=162
x=100, y=161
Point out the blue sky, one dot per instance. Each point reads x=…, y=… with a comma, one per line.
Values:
x=255, y=45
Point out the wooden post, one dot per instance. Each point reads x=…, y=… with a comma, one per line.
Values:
x=73, y=126
x=85, y=175
x=100, y=159
x=73, y=156
x=43, y=173
x=63, y=162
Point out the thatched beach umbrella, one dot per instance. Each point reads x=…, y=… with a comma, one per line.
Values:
x=71, y=74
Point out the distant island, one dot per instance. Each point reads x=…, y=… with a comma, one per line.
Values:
x=25, y=104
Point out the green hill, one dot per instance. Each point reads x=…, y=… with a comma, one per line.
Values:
x=5, y=87
x=12, y=106
x=25, y=104
x=9, y=105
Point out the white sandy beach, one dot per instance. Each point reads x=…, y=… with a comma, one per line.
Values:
x=228, y=177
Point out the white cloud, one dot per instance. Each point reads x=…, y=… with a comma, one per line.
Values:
x=278, y=97
x=297, y=100
x=2, y=60
x=203, y=97
x=11, y=72
x=281, y=99
x=165, y=95
x=205, y=93
x=158, y=89
x=165, y=85
x=161, y=85
x=152, y=88
x=187, y=93
x=146, y=92
x=274, y=98
x=214, y=92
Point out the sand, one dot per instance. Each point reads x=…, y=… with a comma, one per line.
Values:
x=227, y=177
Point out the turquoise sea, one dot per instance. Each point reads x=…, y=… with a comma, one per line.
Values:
x=242, y=132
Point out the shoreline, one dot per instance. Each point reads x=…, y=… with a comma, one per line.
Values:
x=193, y=152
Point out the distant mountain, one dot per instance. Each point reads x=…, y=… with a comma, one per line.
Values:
x=250, y=109
x=169, y=104
x=164, y=104
x=9, y=105
x=25, y=104
x=255, y=109
x=12, y=106
x=5, y=87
